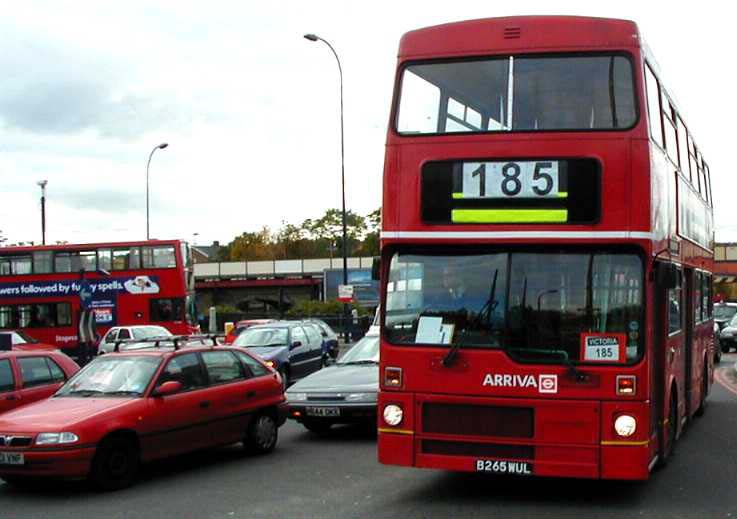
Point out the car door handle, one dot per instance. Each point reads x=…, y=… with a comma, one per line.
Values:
x=250, y=394
x=205, y=404
x=11, y=397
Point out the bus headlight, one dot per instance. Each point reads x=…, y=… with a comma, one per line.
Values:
x=393, y=415
x=625, y=425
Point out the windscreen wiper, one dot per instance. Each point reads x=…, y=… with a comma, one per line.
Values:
x=487, y=309
x=579, y=376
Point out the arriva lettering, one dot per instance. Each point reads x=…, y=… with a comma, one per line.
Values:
x=498, y=380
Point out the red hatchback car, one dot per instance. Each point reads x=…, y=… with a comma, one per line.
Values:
x=131, y=407
x=28, y=376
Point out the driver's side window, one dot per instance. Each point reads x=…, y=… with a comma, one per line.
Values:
x=185, y=369
x=7, y=381
x=298, y=335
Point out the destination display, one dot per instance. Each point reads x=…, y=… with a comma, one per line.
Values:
x=556, y=191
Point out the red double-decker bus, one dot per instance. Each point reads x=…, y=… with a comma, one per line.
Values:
x=546, y=253
x=126, y=283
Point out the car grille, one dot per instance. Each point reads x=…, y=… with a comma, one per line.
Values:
x=15, y=441
x=478, y=420
x=325, y=398
x=486, y=450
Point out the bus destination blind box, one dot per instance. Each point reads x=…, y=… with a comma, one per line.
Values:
x=555, y=191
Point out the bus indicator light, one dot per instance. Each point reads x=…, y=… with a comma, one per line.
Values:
x=626, y=385
x=393, y=377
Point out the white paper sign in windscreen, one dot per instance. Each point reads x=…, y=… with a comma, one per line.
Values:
x=530, y=179
x=431, y=330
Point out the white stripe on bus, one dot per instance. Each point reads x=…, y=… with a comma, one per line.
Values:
x=466, y=235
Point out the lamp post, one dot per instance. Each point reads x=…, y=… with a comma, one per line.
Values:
x=313, y=37
x=159, y=147
x=42, y=185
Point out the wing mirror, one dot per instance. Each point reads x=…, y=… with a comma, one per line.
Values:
x=168, y=388
x=296, y=344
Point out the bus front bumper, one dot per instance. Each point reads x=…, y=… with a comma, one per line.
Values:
x=564, y=438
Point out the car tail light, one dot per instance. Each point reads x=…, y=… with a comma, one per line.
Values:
x=392, y=377
x=626, y=385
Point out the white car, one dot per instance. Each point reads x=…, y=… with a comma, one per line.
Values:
x=116, y=333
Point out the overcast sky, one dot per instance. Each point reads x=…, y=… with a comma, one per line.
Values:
x=250, y=108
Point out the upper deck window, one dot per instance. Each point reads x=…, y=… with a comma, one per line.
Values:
x=532, y=93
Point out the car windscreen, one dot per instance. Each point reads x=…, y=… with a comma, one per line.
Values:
x=724, y=312
x=538, y=306
x=517, y=93
x=364, y=351
x=262, y=337
x=112, y=375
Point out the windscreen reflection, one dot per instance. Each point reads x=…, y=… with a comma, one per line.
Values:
x=530, y=304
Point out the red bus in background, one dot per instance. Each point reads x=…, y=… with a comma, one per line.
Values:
x=546, y=253
x=145, y=282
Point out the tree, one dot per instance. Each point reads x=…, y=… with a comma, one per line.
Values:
x=252, y=246
x=330, y=228
x=370, y=245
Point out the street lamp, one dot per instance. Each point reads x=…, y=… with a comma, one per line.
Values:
x=159, y=147
x=42, y=185
x=313, y=37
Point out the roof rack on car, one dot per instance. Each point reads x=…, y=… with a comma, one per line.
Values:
x=170, y=340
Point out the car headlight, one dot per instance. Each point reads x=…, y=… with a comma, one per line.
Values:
x=270, y=363
x=625, y=425
x=296, y=397
x=360, y=397
x=393, y=415
x=56, y=438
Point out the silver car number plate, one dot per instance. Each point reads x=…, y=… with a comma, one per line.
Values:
x=322, y=411
x=11, y=458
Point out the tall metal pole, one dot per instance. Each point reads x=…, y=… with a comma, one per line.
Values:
x=43, y=183
x=313, y=37
x=159, y=147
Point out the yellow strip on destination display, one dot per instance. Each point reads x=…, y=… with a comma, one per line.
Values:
x=563, y=194
x=457, y=196
x=509, y=215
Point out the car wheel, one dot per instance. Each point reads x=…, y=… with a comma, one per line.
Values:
x=115, y=464
x=724, y=346
x=262, y=434
x=317, y=426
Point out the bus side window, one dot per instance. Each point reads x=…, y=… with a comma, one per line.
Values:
x=675, y=310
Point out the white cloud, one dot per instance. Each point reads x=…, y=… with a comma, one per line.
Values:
x=250, y=108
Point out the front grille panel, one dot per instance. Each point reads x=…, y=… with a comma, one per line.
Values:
x=15, y=441
x=484, y=450
x=478, y=420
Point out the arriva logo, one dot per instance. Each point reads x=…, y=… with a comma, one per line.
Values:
x=543, y=383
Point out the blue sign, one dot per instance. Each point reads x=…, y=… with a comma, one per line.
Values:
x=98, y=295
x=365, y=289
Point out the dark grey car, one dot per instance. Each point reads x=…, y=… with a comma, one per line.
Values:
x=290, y=347
x=344, y=392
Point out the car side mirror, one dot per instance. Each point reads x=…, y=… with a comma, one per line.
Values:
x=329, y=361
x=296, y=344
x=168, y=388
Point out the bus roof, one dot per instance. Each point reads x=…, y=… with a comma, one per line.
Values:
x=499, y=35
x=83, y=246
